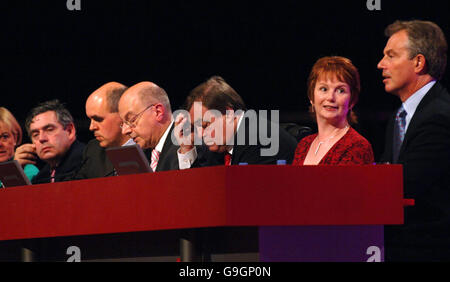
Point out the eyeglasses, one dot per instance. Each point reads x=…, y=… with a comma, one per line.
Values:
x=132, y=123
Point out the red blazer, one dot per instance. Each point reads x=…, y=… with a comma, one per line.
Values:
x=352, y=148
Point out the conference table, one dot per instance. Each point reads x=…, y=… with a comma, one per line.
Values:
x=250, y=213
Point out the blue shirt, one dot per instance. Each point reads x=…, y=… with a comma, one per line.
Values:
x=410, y=105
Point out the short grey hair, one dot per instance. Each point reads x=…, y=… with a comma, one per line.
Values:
x=62, y=114
x=113, y=97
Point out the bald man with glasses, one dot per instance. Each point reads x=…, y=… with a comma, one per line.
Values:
x=147, y=119
x=134, y=119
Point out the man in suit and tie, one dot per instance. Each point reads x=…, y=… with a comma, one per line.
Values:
x=53, y=135
x=418, y=137
x=147, y=118
x=218, y=114
x=102, y=110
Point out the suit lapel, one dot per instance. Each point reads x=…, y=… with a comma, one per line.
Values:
x=239, y=149
x=166, y=157
x=109, y=167
x=419, y=115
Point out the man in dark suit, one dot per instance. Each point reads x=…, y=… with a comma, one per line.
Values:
x=232, y=135
x=52, y=131
x=102, y=110
x=147, y=118
x=418, y=137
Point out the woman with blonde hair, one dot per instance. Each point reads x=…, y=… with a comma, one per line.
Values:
x=10, y=138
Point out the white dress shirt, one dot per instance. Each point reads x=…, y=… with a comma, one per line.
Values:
x=163, y=138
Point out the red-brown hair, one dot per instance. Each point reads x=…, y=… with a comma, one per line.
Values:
x=341, y=68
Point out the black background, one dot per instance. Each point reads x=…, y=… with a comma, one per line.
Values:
x=264, y=49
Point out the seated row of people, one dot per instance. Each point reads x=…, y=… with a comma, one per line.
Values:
x=142, y=114
x=215, y=121
x=216, y=117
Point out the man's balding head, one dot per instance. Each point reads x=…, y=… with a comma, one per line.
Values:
x=149, y=92
x=102, y=110
x=110, y=93
x=146, y=112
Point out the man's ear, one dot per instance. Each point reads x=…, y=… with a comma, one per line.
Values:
x=70, y=128
x=160, y=111
x=420, y=63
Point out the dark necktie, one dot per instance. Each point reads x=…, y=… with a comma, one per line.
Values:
x=399, y=132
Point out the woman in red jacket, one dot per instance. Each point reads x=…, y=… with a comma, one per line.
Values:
x=333, y=90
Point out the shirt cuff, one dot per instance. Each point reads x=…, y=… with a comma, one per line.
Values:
x=186, y=160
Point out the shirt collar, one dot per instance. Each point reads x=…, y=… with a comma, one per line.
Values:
x=413, y=101
x=162, y=140
x=230, y=151
x=410, y=105
x=129, y=142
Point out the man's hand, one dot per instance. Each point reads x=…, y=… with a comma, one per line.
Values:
x=184, y=134
x=26, y=154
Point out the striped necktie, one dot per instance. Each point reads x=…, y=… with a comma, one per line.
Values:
x=399, y=132
x=154, y=159
x=52, y=175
